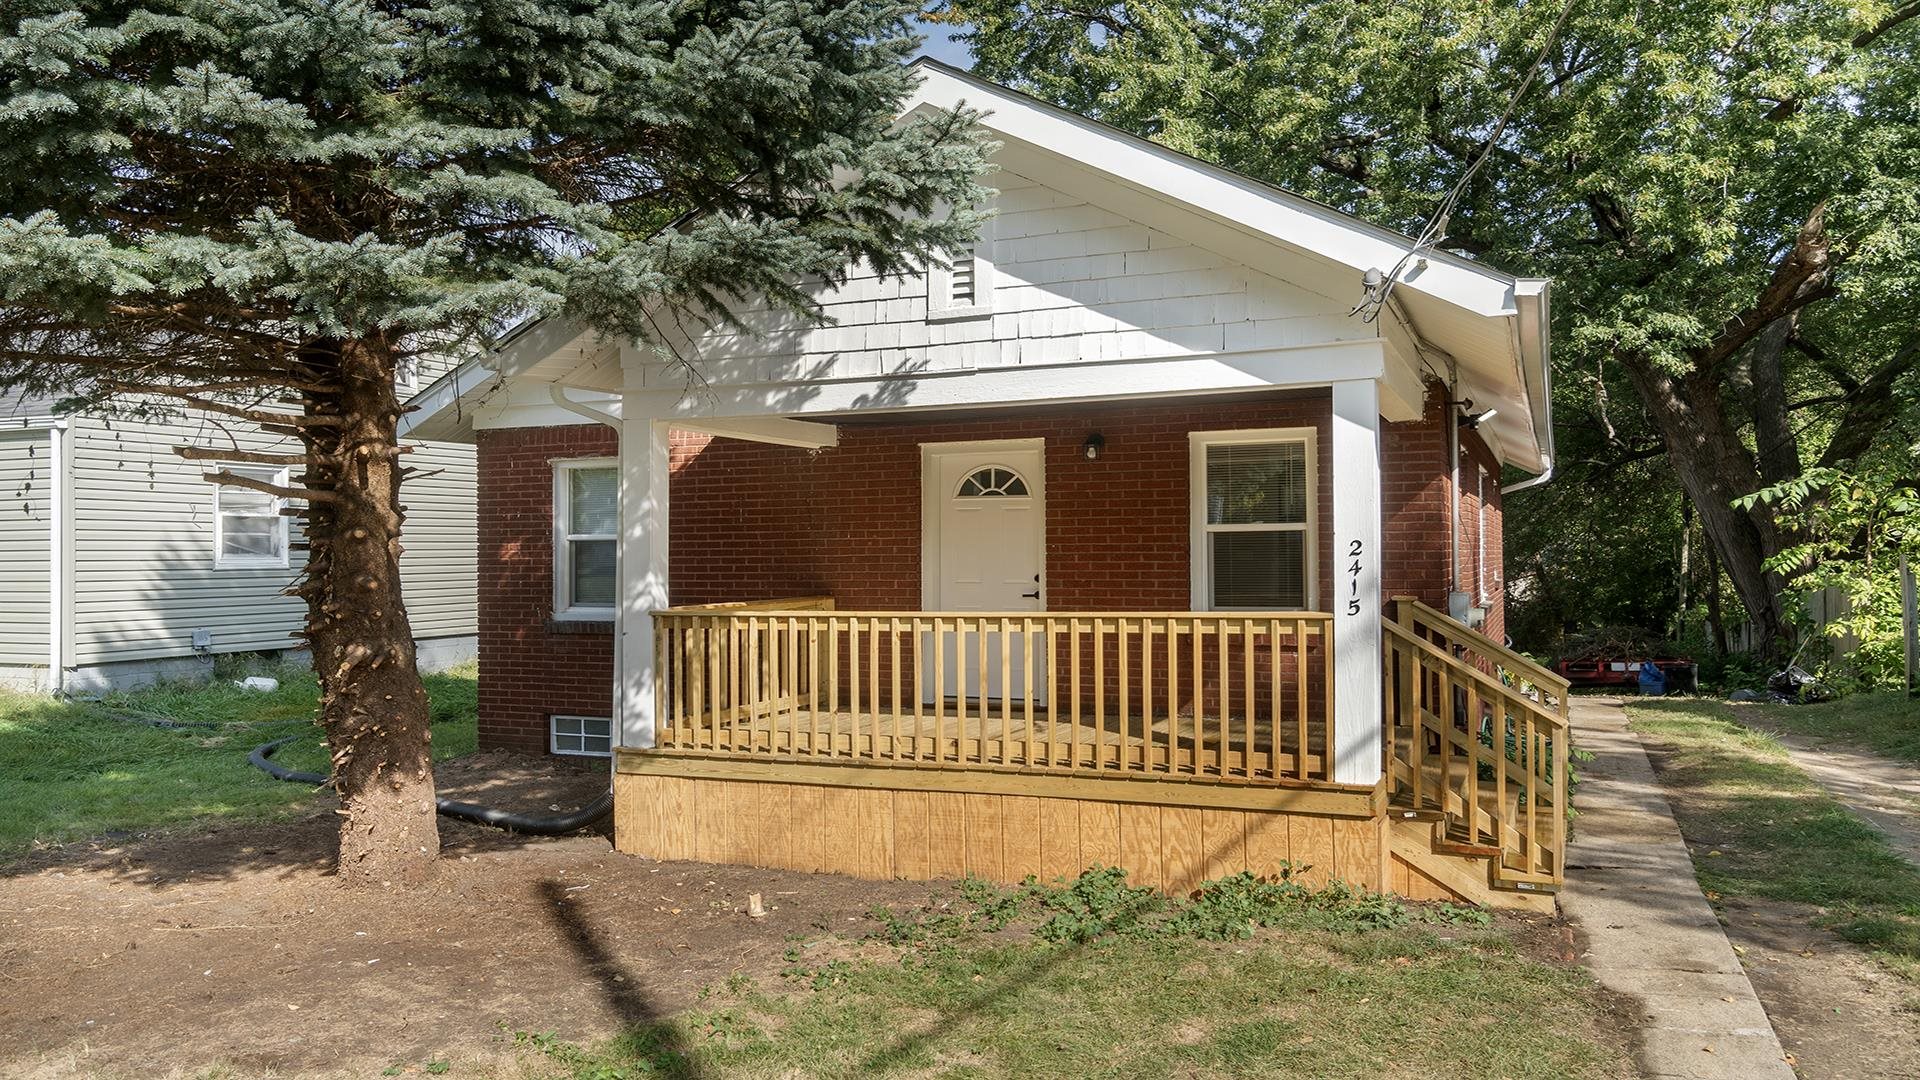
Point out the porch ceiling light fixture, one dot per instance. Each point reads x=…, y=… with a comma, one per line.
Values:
x=1095, y=445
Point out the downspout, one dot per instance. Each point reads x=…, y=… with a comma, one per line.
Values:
x=56, y=429
x=56, y=558
x=1453, y=480
x=558, y=395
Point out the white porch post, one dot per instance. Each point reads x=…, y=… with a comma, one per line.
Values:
x=1356, y=582
x=642, y=569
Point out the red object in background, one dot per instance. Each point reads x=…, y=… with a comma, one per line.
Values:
x=1619, y=671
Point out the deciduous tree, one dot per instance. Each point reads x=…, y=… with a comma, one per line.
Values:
x=1724, y=192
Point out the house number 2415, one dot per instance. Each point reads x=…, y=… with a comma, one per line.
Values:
x=1355, y=550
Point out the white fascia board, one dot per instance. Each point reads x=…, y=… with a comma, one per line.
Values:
x=432, y=407
x=542, y=349
x=1269, y=369
x=1283, y=218
x=773, y=430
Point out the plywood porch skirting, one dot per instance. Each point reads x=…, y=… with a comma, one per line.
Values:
x=933, y=824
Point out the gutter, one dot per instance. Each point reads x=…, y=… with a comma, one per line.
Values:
x=1529, y=483
x=1540, y=292
x=558, y=394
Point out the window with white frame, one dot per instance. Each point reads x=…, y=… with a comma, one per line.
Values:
x=586, y=524
x=1253, y=515
x=591, y=736
x=248, y=528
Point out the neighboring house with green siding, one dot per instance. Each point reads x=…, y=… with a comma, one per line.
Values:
x=117, y=554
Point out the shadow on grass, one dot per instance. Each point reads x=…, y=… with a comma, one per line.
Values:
x=649, y=1039
x=1760, y=826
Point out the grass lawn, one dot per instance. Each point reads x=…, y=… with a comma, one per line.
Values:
x=1760, y=827
x=71, y=770
x=1077, y=981
x=1886, y=723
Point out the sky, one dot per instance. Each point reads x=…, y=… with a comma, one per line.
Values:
x=941, y=46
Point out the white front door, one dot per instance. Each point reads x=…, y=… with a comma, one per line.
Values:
x=984, y=519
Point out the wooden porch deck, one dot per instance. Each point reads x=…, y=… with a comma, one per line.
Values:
x=791, y=734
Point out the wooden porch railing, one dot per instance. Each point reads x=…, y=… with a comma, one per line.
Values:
x=1236, y=697
x=1478, y=739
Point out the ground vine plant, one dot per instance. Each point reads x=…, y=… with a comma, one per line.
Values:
x=257, y=211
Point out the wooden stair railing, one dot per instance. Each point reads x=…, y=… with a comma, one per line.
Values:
x=1478, y=745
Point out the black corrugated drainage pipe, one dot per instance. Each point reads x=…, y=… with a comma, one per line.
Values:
x=598, y=809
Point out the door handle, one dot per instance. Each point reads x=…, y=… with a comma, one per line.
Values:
x=1034, y=595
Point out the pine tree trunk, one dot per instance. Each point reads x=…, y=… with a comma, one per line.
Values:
x=373, y=705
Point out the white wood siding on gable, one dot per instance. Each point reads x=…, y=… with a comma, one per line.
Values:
x=25, y=485
x=143, y=564
x=1069, y=282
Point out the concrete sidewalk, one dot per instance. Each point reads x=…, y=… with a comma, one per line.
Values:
x=1645, y=928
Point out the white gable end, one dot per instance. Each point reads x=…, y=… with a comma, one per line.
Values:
x=1061, y=281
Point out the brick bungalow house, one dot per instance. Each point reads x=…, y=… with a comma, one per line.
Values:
x=1116, y=539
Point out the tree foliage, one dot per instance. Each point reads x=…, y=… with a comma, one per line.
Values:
x=1724, y=193
x=1851, y=529
x=259, y=209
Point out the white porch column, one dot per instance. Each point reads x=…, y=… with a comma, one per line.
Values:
x=1356, y=582
x=642, y=569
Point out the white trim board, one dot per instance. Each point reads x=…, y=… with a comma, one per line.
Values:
x=1306, y=367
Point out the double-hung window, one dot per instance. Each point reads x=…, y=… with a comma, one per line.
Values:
x=248, y=528
x=1253, y=519
x=586, y=528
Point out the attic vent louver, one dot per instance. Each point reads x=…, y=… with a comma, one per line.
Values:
x=962, y=286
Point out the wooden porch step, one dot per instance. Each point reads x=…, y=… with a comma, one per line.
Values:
x=1472, y=878
x=1464, y=849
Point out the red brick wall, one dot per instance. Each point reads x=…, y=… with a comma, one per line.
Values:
x=530, y=667
x=1413, y=506
x=752, y=521
x=1414, y=489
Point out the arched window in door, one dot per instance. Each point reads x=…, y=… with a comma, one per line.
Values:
x=993, y=481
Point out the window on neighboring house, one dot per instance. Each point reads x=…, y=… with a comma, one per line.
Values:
x=1253, y=515
x=248, y=528
x=591, y=736
x=586, y=524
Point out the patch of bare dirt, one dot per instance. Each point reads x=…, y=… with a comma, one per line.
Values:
x=1838, y=1013
x=237, y=947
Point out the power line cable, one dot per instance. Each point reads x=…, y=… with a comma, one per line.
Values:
x=1375, y=301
